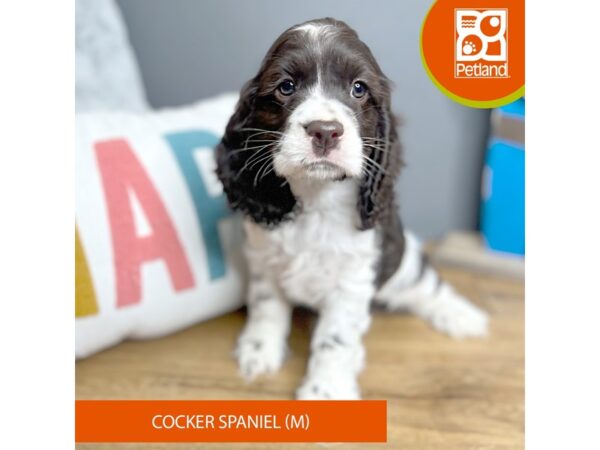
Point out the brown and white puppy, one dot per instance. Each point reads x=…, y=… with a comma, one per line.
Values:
x=310, y=157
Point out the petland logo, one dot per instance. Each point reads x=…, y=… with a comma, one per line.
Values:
x=481, y=43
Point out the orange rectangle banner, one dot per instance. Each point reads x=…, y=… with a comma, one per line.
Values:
x=230, y=421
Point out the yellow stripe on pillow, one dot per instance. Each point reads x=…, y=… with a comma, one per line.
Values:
x=85, y=297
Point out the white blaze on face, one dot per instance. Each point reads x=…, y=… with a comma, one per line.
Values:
x=296, y=158
x=316, y=32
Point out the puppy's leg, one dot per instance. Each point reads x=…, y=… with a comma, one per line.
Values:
x=337, y=352
x=262, y=346
x=417, y=288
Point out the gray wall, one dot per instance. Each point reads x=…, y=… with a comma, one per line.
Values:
x=189, y=49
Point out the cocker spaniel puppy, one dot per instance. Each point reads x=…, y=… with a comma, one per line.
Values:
x=310, y=158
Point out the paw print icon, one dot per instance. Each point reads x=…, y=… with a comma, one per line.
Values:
x=471, y=46
x=468, y=48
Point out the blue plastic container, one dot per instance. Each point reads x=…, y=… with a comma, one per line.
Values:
x=503, y=186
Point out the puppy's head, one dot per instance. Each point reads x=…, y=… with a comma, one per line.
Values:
x=318, y=109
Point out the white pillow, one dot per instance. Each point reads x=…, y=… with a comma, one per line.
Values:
x=107, y=76
x=157, y=247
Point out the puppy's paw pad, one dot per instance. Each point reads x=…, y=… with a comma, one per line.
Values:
x=259, y=357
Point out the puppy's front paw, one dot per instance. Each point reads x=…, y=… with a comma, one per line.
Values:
x=332, y=386
x=259, y=355
x=456, y=316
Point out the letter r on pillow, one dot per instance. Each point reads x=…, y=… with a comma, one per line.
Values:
x=210, y=209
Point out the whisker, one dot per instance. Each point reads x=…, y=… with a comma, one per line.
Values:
x=375, y=171
x=259, y=160
x=282, y=105
x=376, y=164
x=261, y=129
x=374, y=147
x=366, y=173
x=252, y=161
x=248, y=139
x=268, y=172
x=369, y=164
x=371, y=171
x=364, y=111
x=245, y=149
x=266, y=164
x=373, y=139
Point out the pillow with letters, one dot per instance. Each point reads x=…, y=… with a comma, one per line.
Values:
x=156, y=247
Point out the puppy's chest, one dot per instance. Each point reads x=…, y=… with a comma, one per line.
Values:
x=314, y=256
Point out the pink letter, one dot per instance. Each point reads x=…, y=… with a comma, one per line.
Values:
x=122, y=172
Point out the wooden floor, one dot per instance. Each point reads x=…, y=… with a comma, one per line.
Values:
x=441, y=394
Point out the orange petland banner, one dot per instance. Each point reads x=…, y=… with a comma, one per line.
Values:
x=230, y=421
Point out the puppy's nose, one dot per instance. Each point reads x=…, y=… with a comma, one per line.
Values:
x=325, y=135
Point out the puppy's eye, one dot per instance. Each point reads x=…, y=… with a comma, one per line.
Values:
x=287, y=87
x=359, y=89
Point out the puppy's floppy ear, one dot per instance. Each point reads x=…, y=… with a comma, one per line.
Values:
x=376, y=191
x=244, y=108
x=244, y=163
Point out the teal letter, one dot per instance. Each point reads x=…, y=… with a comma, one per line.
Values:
x=209, y=210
